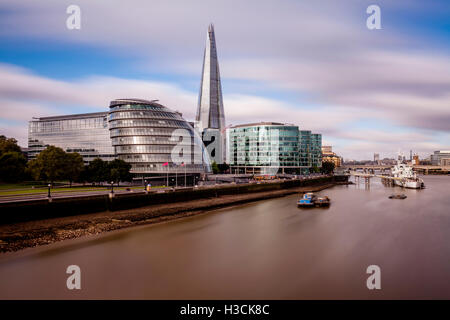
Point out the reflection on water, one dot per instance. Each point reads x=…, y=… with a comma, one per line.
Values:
x=264, y=250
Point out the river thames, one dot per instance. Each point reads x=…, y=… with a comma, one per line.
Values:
x=262, y=250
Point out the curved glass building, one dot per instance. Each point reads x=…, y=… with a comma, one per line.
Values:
x=155, y=139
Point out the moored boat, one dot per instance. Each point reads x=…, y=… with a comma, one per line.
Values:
x=406, y=177
x=307, y=200
x=397, y=196
x=322, y=202
x=311, y=200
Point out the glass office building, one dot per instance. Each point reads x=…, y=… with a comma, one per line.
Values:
x=310, y=149
x=270, y=148
x=143, y=134
x=137, y=131
x=87, y=134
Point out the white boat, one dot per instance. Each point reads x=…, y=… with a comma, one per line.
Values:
x=407, y=178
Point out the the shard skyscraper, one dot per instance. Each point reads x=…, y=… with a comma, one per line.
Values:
x=210, y=118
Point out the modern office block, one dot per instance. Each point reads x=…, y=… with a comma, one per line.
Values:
x=87, y=134
x=272, y=147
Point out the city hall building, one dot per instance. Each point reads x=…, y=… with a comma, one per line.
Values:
x=271, y=148
x=137, y=131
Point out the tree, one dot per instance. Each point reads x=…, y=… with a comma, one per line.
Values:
x=315, y=169
x=215, y=167
x=97, y=171
x=224, y=168
x=12, y=166
x=34, y=169
x=119, y=170
x=74, y=166
x=327, y=167
x=49, y=165
x=12, y=161
x=8, y=145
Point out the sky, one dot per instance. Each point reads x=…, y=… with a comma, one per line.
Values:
x=311, y=63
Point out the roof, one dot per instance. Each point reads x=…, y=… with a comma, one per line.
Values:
x=72, y=116
x=133, y=101
x=262, y=124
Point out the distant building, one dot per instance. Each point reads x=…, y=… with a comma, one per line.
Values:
x=440, y=158
x=376, y=158
x=329, y=156
x=327, y=149
x=271, y=147
x=388, y=161
x=415, y=160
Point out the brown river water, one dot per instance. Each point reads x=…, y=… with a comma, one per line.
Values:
x=263, y=250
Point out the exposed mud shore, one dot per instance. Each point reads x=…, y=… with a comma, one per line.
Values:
x=17, y=236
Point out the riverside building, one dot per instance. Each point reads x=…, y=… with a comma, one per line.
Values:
x=329, y=156
x=137, y=131
x=271, y=148
x=440, y=158
x=87, y=134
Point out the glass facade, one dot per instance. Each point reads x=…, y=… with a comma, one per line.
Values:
x=87, y=134
x=254, y=147
x=142, y=133
x=137, y=131
x=310, y=149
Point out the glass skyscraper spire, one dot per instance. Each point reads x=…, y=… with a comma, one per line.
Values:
x=210, y=113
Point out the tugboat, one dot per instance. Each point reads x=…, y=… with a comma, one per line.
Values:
x=307, y=200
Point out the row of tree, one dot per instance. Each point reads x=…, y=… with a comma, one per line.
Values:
x=54, y=164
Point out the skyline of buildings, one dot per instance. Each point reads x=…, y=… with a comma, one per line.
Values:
x=140, y=132
x=357, y=100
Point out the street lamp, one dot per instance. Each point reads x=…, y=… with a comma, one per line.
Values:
x=112, y=186
x=49, y=195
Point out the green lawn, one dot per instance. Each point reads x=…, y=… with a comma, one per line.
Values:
x=18, y=189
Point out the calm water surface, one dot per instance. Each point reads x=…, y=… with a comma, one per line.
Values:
x=264, y=250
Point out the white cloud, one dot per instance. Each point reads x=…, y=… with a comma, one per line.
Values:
x=318, y=49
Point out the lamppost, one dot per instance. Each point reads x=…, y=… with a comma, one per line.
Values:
x=49, y=195
x=112, y=187
x=185, y=183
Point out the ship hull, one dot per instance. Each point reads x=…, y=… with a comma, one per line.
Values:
x=409, y=184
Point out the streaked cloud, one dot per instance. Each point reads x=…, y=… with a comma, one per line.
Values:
x=325, y=71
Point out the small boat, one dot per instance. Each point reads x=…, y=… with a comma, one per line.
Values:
x=307, y=200
x=322, y=202
x=397, y=196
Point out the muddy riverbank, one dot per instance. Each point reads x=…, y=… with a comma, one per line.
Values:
x=22, y=235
